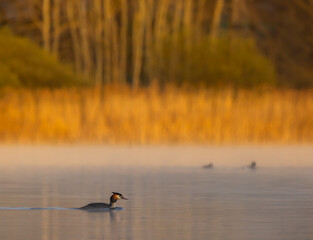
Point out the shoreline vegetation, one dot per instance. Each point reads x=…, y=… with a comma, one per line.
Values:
x=171, y=115
x=156, y=72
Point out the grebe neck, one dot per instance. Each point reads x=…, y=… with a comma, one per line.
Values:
x=113, y=200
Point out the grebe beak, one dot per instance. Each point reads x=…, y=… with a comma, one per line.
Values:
x=122, y=197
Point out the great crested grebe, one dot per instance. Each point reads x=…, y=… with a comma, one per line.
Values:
x=98, y=206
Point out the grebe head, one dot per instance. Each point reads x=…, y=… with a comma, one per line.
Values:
x=116, y=196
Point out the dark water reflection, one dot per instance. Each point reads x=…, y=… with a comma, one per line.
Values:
x=164, y=203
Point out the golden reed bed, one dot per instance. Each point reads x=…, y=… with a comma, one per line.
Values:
x=147, y=116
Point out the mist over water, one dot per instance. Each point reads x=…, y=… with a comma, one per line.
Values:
x=165, y=202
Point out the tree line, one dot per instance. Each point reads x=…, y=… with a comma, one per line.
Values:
x=141, y=41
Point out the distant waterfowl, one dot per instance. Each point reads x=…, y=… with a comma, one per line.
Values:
x=210, y=165
x=252, y=165
x=98, y=206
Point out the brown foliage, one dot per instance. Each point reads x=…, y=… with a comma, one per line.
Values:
x=284, y=30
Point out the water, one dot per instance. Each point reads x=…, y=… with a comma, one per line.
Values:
x=165, y=202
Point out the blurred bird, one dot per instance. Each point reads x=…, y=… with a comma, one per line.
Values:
x=210, y=165
x=252, y=165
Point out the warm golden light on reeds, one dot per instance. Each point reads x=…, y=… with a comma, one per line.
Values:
x=148, y=116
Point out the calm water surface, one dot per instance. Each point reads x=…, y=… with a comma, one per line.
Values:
x=164, y=202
